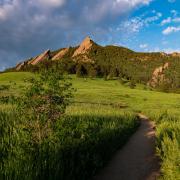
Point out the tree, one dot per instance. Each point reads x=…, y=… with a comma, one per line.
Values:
x=81, y=71
x=44, y=103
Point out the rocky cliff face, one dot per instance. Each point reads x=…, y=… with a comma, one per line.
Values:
x=34, y=61
x=41, y=57
x=84, y=47
x=158, y=76
x=19, y=66
x=80, y=54
x=60, y=54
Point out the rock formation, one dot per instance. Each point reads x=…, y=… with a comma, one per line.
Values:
x=84, y=47
x=158, y=76
x=40, y=58
x=163, y=54
x=19, y=66
x=60, y=54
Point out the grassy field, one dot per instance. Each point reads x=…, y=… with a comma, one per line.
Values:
x=99, y=92
x=92, y=93
x=100, y=97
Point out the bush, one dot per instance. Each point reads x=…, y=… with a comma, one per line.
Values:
x=44, y=102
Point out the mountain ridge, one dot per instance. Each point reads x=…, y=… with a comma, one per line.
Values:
x=91, y=59
x=82, y=49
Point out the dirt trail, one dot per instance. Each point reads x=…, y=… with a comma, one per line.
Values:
x=136, y=160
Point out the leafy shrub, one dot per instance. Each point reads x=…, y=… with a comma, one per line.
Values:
x=44, y=103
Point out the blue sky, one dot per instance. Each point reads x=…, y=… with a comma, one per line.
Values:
x=162, y=33
x=29, y=27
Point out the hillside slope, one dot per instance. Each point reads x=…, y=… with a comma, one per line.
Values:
x=91, y=59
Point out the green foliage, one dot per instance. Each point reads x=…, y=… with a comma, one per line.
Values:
x=44, y=102
x=168, y=145
x=81, y=71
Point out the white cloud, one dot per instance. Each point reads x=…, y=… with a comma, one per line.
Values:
x=10, y=7
x=153, y=18
x=170, y=20
x=171, y=29
x=156, y=49
x=166, y=50
x=7, y=8
x=128, y=4
x=176, y=20
x=94, y=10
x=100, y=9
x=166, y=21
x=51, y=3
x=134, y=25
x=170, y=50
x=143, y=46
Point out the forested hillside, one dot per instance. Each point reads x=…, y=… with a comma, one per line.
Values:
x=158, y=70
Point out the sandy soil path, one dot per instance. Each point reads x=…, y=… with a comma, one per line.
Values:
x=136, y=160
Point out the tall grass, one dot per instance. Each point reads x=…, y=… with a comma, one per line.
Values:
x=78, y=147
x=168, y=145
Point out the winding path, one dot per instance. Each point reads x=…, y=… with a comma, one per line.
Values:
x=136, y=160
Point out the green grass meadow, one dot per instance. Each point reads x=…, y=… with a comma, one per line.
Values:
x=92, y=93
x=100, y=98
